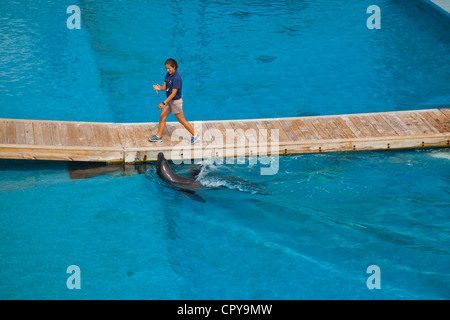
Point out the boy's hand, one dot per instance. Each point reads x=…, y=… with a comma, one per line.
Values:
x=160, y=106
x=157, y=87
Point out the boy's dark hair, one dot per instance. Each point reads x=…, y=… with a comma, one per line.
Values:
x=172, y=62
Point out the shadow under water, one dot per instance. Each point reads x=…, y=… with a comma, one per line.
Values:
x=85, y=170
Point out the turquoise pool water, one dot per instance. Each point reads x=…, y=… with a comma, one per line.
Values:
x=320, y=222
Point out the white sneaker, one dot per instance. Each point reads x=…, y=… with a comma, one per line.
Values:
x=195, y=138
x=155, y=138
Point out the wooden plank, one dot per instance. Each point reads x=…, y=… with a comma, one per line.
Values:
x=99, y=135
x=60, y=154
x=357, y=130
x=37, y=132
x=72, y=135
x=227, y=125
x=382, y=126
x=312, y=128
x=141, y=138
x=441, y=118
x=87, y=131
x=332, y=124
x=365, y=122
x=253, y=127
x=169, y=134
x=147, y=131
x=80, y=134
x=446, y=112
x=399, y=127
x=85, y=135
x=206, y=136
x=106, y=134
x=421, y=125
x=150, y=130
x=3, y=132
x=219, y=126
x=430, y=120
x=263, y=130
x=215, y=135
x=20, y=133
x=264, y=133
x=438, y=121
x=302, y=129
x=240, y=141
x=232, y=136
x=11, y=132
x=122, y=132
x=251, y=132
x=379, y=127
x=430, y=127
x=274, y=125
x=264, y=138
x=295, y=129
x=29, y=133
x=46, y=134
x=321, y=125
x=288, y=130
x=345, y=128
x=165, y=137
x=64, y=134
x=240, y=129
x=54, y=131
x=102, y=134
x=411, y=122
x=115, y=137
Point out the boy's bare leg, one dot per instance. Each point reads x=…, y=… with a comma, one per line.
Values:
x=183, y=121
x=162, y=121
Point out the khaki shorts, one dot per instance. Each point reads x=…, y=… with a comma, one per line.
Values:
x=174, y=106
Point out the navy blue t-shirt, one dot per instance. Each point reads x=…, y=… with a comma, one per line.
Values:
x=173, y=82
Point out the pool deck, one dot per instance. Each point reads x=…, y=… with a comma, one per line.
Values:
x=128, y=142
x=443, y=4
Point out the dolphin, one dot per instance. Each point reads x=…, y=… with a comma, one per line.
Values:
x=187, y=185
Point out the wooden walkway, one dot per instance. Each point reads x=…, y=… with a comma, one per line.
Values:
x=127, y=142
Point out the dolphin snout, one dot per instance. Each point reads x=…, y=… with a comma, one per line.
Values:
x=160, y=160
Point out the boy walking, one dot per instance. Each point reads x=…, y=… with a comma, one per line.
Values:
x=173, y=102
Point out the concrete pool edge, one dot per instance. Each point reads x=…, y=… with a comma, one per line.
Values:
x=440, y=6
